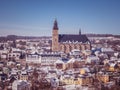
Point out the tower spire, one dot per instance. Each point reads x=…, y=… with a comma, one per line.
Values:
x=55, y=46
x=55, y=27
x=80, y=31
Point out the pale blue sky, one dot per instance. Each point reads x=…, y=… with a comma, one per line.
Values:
x=36, y=17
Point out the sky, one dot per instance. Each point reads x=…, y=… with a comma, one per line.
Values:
x=36, y=17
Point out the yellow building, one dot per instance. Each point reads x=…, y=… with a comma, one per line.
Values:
x=82, y=71
x=78, y=81
x=103, y=78
x=113, y=67
x=68, y=42
x=23, y=76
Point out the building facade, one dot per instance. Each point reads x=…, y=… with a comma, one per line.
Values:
x=68, y=42
x=47, y=59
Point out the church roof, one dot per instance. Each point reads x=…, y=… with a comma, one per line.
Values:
x=73, y=38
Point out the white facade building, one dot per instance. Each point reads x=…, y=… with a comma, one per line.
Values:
x=33, y=58
x=43, y=59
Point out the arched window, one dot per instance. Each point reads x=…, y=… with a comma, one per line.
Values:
x=62, y=48
x=77, y=46
x=82, y=47
x=70, y=48
x=67, y=48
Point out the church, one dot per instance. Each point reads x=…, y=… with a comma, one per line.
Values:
x=68, y=42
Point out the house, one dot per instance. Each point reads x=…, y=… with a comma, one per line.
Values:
x=71, y=63
x=54, y=82
x=3, y=76
x=23, y=76
x=3, y=54
x=48, y=59
x=20, y=85
x=118, y=62
x=87, y=52
x=77, y=80
x=85, y=80
x=51, y=74
x=109, y=51
x=1, y=64
x=92, y=59
x=75, y=52
x=14, y=53
x=33, y=58
x=10, y=63
x=103, y=77
x=45, y=59
x=84, y=70
x=61, y=63
x=113, y=67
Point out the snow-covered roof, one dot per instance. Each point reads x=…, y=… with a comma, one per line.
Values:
x=59, y=61
x=23, y=72
x=72, y=60
x=20, y=82
x=93, y=57
x=86, y=69
x=75, y=50
x=112, y=64
x=107, y=50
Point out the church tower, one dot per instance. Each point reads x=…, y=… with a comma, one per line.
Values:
x=55, y=44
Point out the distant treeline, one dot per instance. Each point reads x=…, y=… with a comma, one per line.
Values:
x=14, y=37
x=102, y=35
